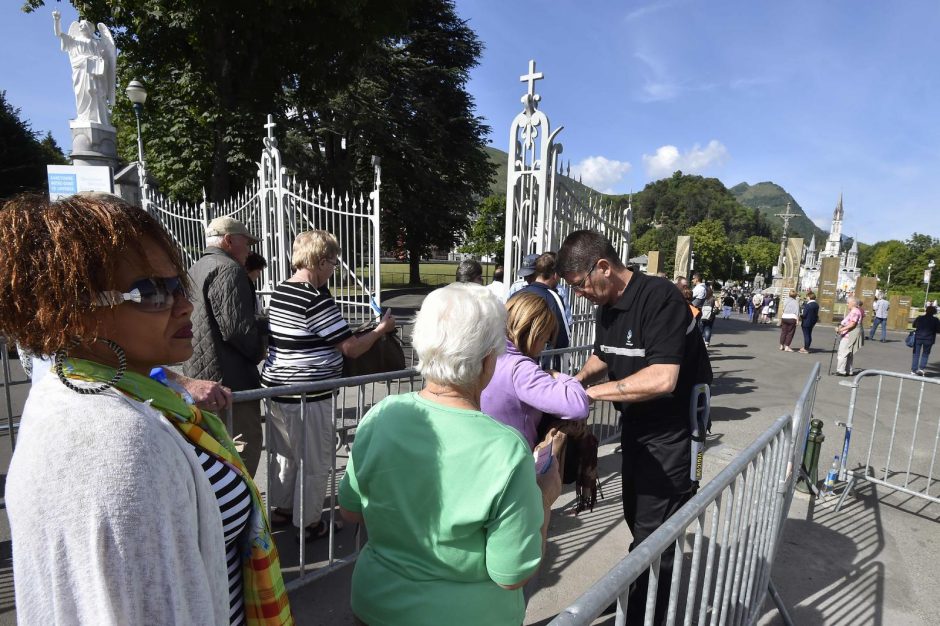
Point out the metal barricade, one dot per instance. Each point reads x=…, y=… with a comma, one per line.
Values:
x=903, y=437
x=10, y=423
x=735, y=522
x=351, y=400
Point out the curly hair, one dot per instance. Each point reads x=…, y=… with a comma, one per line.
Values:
x=56, y=256
x=529, y=319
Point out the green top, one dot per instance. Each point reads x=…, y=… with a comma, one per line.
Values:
x=452, y=508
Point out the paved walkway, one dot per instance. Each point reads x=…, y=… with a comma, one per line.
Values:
x=875, y=562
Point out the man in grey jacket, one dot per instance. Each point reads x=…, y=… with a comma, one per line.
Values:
x=227, y=341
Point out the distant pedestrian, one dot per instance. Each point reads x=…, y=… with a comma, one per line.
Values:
x=470, y=271
x=926, y=328
x=880, y=308
x=727, y=304
x=850, y=333
x=524, y=275
x=498, y=287
x=788, y=319
x=757, y=301
x=808, y=319
x=709, y=313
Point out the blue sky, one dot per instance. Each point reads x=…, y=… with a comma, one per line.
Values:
x=822, y=98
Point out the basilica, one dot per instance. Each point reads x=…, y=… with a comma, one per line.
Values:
x=812, y=259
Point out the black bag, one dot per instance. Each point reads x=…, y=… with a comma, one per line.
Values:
x=579, y=464
x=386, y=355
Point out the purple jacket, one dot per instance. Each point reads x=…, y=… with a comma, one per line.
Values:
x=520, y=392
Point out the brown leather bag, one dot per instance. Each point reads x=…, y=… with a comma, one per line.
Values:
x=386, y=355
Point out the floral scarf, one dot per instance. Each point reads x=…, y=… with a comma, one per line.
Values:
x=266, y=601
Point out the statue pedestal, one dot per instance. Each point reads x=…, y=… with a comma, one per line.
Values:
x=93, y=144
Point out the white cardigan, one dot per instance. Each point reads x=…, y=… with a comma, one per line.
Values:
x=113, y=519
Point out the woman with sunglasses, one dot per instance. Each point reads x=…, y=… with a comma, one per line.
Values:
x=127, y=503
x=309, y=339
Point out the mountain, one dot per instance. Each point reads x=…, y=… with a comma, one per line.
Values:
x=498, y=185
x=770, y=199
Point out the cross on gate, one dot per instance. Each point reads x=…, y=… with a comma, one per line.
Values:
x=270, y=127
x=531, y=77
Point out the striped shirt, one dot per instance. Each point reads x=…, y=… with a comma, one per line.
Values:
x=305, y=326
x=234, y=500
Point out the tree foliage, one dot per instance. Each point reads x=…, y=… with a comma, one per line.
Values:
x=215, y=68
x=488, y=228
x=711, y=247
x=23, y=154
x=759, y=253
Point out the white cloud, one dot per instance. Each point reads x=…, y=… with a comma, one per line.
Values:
x=668, y=159
x=600, y=172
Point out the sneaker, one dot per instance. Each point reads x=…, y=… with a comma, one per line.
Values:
x=921, y=373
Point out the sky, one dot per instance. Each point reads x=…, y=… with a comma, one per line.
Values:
x=822, y=98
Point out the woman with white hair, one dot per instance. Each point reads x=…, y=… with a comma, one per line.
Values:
x=449, y=495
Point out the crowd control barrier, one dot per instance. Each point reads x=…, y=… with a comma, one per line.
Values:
x=352, y=397
x=10, y=423
x=733, y=524
x=903, y=437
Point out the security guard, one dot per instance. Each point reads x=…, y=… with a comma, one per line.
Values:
x=652, y=352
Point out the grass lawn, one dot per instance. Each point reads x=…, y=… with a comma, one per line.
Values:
x=395, y=275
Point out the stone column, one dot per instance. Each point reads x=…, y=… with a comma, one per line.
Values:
x=94, y=144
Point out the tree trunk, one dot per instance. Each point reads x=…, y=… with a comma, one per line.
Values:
x=414, y=267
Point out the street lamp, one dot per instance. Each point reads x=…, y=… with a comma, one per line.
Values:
x=927, y=272
x=889, y=278
x=137, y=95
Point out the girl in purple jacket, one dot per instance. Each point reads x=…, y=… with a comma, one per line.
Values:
x=520, y=391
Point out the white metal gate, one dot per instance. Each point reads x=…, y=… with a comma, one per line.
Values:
x=277, y=207
x=542, y=206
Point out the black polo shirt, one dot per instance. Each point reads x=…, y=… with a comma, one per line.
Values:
x=650, y=323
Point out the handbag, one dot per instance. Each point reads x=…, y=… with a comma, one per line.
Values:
x=385, y=355
x=909, y=340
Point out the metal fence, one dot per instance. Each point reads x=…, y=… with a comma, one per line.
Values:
x=352, y=399
x=11, y=419
x=902, y=438
x=277, y=207
x=733, y=523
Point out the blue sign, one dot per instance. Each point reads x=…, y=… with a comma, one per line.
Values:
x=62, y=184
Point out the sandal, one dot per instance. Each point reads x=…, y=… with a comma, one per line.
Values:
x=281, y=517
x=321, y=530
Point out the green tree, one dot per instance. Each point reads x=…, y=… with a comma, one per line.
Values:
x=487, y=230
x=215, y=68
x=406, y=102
x=759, y=253
x=711, y=248
x=23, y=156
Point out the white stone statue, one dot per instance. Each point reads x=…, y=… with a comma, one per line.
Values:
x=93, y=62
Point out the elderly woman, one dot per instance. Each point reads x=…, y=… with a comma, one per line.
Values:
x=308, y=340
x=448, y=494
x=127, y=504
x=788, y=319
x=850, y=334
x=521, y=391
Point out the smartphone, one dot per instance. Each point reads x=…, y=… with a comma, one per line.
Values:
x=543, y=459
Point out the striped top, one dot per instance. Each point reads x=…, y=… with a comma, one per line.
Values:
x=234, y=500
x=305, y=326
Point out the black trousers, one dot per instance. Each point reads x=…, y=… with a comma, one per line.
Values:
x=656, y=483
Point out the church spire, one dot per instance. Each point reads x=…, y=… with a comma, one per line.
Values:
x=838, y=213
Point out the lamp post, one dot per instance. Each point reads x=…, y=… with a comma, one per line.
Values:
x=888, y=285
x=138, y=96
x=731, y=277
x=927, y=273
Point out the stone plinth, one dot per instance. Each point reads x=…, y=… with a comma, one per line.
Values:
x=653, y=264
x=93, y=144
x=683, y=256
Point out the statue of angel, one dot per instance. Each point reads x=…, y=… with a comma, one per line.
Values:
x=93, y=61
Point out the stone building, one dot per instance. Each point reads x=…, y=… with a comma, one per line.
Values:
x=812, y=259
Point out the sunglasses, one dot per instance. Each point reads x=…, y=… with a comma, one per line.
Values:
x=152, y=295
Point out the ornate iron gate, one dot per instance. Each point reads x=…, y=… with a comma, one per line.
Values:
x=542, y=205
x=277, y=207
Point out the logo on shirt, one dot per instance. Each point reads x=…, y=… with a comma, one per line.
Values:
x=629, y=338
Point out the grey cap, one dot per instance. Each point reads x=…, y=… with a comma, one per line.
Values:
x=226, y=225
x=528, y=265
